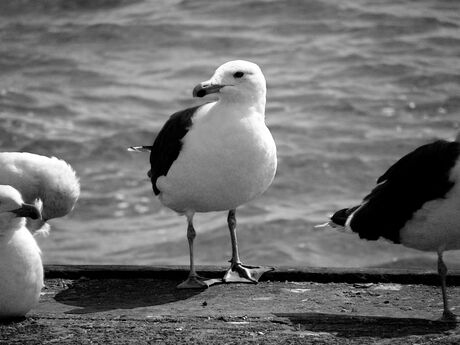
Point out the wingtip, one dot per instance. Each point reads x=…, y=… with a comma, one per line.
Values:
x=139, y=148
x=323, y=226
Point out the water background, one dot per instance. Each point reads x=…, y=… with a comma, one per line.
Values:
x=352, y=86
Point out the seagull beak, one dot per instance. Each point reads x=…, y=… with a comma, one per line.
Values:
x=27, y=210
x=205, y=88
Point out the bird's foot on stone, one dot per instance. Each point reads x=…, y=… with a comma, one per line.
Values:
x=194, y=282
x=239, y=273
x=448, y=316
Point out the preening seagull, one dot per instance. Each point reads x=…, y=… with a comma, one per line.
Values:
x=21, y=269
x=416, y=203
x=49, y=179
x=216, y=157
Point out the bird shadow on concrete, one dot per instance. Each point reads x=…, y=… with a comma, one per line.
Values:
x=97, y=295
x=12, y=321
x=351, y=326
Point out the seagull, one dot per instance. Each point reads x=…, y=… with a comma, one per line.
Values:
x=216, y=157
x=21, y=269
x=49, y=179
x=416, y=203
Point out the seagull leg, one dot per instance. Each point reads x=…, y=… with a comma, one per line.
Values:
x=447, y=315
x=239, y=273
x=194, y=281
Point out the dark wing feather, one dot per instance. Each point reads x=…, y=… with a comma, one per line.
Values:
x=418, y=177
x=168, y=144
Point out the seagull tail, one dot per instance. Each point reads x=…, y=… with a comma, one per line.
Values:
x=140, y=148
x=338, y=221
x=330, y=225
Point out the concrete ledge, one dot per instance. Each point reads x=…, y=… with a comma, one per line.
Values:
x=101, y=304
x=294, y=274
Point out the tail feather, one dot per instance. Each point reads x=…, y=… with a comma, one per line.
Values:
x=338, y=220
x=140, y=148
x=340, y=217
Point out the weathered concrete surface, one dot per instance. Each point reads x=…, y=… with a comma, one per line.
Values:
x=122, y=308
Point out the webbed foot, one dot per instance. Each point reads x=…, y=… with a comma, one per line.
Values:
x=239, y=273
x=448, y=316
x=193, y=282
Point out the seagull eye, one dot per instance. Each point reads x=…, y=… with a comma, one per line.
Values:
x=238, y=74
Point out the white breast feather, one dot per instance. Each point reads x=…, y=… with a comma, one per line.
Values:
x=225, y=162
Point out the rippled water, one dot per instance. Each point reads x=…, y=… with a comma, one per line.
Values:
x=352, y=86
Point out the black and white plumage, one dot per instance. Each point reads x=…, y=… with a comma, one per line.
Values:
x=216, y=157
x=168, y=144
x=416, y=203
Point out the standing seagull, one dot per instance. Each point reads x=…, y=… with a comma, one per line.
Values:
x=21, y=269
x=216, y=157
x=415, y=203
x=49, y=179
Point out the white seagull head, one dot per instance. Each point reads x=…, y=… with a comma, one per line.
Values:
x=237, y=80
x=12, y=206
